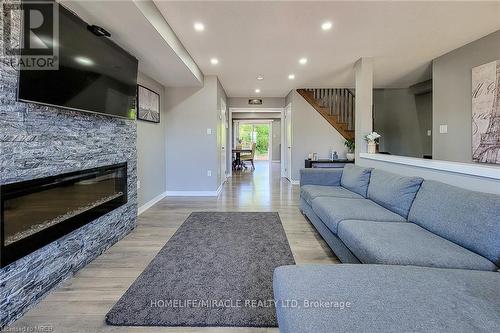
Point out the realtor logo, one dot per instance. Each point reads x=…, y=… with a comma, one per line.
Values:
x=31, y=34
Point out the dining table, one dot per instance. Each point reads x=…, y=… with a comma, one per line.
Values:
x=237, y=164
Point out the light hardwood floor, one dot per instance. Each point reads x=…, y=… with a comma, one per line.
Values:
x=80, y=303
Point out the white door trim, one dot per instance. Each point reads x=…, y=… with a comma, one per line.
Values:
x=282, y=142
x=254, y=121
x=223, y=141
x=233, y=137
x=288, y=141
x=263, y=110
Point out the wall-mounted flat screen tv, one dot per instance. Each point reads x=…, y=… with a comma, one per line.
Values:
x=94, y=74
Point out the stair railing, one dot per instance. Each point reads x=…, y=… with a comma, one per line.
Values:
x=340, y=103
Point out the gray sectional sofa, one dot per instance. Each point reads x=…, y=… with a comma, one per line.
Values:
x=431, y=251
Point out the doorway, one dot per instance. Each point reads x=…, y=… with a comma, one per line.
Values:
x=287, y=165
x=258, y=133
x=269, y=151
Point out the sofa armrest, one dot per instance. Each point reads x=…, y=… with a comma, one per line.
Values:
x=321, y=176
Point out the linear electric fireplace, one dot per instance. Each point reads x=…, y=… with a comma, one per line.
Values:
x=34, y=213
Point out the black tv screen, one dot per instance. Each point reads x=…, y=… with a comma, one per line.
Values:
x=94, y=74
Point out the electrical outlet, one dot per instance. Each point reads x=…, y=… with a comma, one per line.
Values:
x=429, y=133
x=138, y=184
x=209, y=173
x=443, y=129
x=209, y=131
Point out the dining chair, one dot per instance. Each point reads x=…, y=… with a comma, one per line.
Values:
x=249, y=157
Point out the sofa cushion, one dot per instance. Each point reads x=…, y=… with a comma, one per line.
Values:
x=406, y=244
x=470, y=219
x=392, y=191
x=356, y=179
x=337, y=246
x=334, y=210
x=385, y=299
x=310, y=192
x=321, y=176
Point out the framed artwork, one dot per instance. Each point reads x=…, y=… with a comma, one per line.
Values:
x=148, y=105
x=486, y=113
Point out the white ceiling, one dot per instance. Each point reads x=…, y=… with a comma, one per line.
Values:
x=132, y=30
x=268, y=38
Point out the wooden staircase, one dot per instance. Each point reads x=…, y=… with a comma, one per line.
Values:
x=335, y=105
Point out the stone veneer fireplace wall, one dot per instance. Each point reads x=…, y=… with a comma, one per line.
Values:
x=37, y=141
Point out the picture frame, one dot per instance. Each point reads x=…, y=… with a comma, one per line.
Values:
x=148, y=104
x=485, y=113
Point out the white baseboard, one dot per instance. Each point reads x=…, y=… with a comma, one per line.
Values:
x=191, y=193
x=153, y=201
x=195, y=193
x=276, y=161
x=150, y=203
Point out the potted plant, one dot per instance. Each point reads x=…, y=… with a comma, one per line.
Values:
x=372, y=140
x=349, y=143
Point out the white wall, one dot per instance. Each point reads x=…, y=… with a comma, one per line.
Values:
x=221, y=97
x=191, y=152
x=151, y=149
x=311, y=133
x=256, y=115
x=267, y=102
x=474, y=183
x=363, y=106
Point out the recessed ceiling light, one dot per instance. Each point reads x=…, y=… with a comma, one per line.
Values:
x=214, y=61
x=260, y=77
x=303, y=61
x=326, y=25
x=199, y=26
x=291, y=76
x=257, y=90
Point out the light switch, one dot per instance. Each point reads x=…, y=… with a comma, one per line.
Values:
x=209, y=131
x=443, y=129
x=429, y=132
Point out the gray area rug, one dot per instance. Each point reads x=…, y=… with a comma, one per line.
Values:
x=216, y=270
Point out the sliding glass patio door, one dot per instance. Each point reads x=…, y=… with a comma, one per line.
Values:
x=258, y=133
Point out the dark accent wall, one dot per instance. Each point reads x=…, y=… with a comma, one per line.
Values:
x=403, y=117
x=452, y=101
x=38, y=141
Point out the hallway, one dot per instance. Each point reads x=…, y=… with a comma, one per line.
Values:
x=77, y=305
x=259, y=188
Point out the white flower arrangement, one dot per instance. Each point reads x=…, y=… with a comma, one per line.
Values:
x=372, y=137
